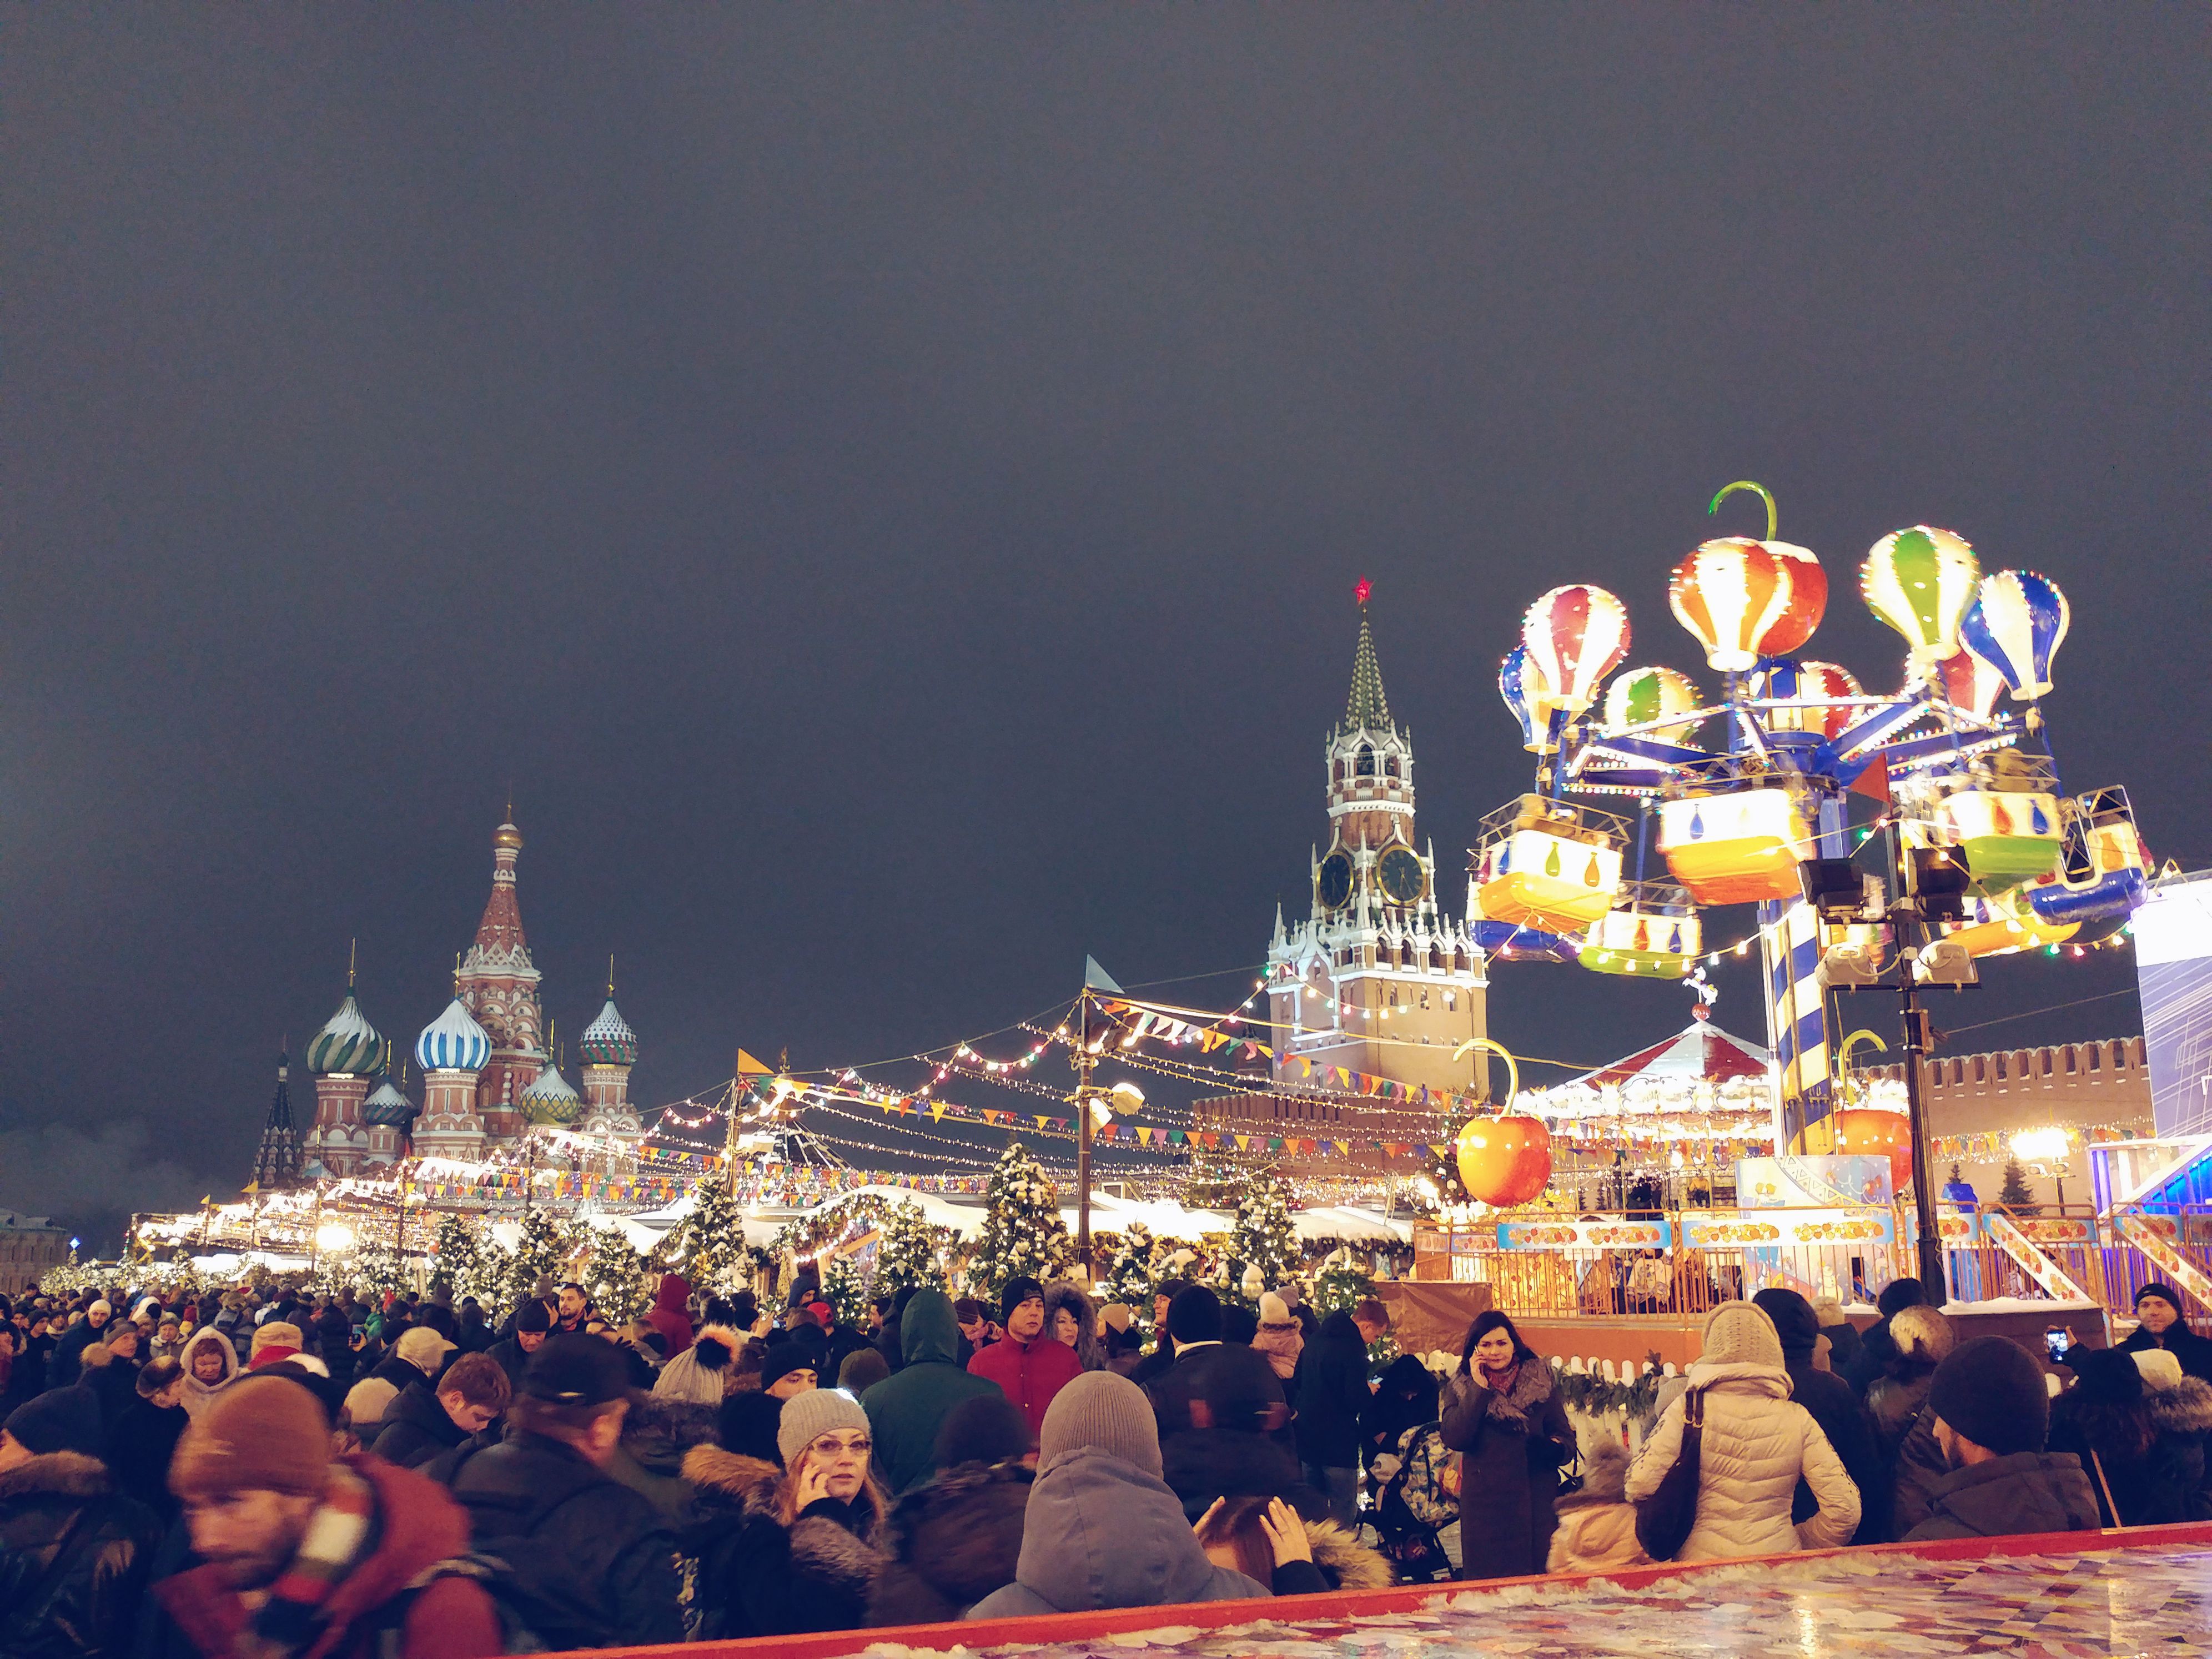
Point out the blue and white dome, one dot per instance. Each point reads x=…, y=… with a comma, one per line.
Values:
x=550, y=1099
x=453, y=1041
x=608, y=1039
x=387, y=1107
x=347, y=1042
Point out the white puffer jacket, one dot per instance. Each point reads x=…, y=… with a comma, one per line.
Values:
x=1756, y=1444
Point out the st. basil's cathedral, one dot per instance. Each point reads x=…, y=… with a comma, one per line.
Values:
x=487, y=1074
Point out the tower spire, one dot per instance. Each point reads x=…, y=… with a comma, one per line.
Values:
x=1366, y=709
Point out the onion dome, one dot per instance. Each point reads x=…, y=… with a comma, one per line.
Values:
x=347, y=1042
x=550, y=1099
x=453, y=1041
x=608, y=1039
x=507, y=838
x=386, y=1106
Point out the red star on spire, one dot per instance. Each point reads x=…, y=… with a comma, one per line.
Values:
x=1361, y=589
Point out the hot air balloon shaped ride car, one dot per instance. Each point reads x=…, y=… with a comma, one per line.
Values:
x=1735, y=848
x=1653, y=932
x=1548, y=864
x=2100, y=871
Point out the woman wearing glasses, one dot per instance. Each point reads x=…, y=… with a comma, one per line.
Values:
x=793, y=1549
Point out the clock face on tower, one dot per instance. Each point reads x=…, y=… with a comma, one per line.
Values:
x=1402, y=876
x=1334, y=883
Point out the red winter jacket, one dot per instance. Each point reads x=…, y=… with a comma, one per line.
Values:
x=1030, y=1373
x=451, y=1618
x=671, y=1313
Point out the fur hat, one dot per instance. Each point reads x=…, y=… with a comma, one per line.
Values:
x=58, y=1420
x=1828, y=1310
x=156, y=1376
x=805, y=1416
x=1922, y=1333
x=1740, y=1333
x=277, y=1340
x=1105, y=1412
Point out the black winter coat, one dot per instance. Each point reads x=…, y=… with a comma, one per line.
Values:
x=2194, y=1352
x=139, y=1449
x=1837, y=1409
x=1330, y=1385
x=415, y=1427
x=1510, y=1448
x=591, y=1559
x=508, y=1354
x=758, y=1577
x=1225, y=1428
x=74, y=1558
x=1405, y=1399
x=953, y=1541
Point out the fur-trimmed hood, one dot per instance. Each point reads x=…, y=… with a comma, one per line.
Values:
x=660, y=1432
x=2185, y=1408
x=57, y=1475
x=745, y=1483
x=1065, y=1293
x=1344, y=1560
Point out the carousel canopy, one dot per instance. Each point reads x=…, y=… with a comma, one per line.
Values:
x=1700, y=1053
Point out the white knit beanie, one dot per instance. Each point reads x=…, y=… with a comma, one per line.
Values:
x=1105, y=1412
x=1740, y=1333
x=1273, y=1310
x=2160, y=1369
x=806, y=1416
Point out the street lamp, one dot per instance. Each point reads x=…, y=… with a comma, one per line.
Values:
x=334, y=1237
x=2049, y=1145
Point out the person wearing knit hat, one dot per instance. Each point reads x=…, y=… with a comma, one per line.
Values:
x=1992, y=1416
x=788, y=1369
x=594, y=1560
x=533, y=1323
x=2162, y=1322
x=304, y=1551
x=1029, y=1365
x=2106, y=1421
x=1102, y=1528
x=781, y=1551
x=1758, y=1445
x=74, y=1551
x=957, y=1537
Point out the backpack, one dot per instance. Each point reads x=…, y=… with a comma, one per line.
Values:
x=510, y=1602
x=1428, y=1475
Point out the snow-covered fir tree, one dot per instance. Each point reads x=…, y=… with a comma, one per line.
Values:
x=617, y=1273
x=1129, y=1279
x=1023, y=1235
x=486, y=1281
x=843, y=1289
x=453, y=1256
x=1263, y=1246
x=908, y=1250
x=1215, y=1176
x=1341, y=1284
x=708, y=1245
x=540, y=1253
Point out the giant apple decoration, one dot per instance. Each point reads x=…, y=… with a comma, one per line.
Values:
x=1861, y=1132
x=1503, y=1161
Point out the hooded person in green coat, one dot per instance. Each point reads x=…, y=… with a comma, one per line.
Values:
x=906, y=1409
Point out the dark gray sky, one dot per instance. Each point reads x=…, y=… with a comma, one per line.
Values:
x=884, y=485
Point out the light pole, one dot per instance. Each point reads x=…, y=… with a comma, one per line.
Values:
x=1084, y=1063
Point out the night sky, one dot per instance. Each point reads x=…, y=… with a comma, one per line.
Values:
x=883, y=486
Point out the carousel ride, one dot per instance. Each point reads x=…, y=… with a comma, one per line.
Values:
x=1655, y=804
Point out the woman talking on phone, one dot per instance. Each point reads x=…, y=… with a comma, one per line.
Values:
x=793, y=1549
x=1500, y=1415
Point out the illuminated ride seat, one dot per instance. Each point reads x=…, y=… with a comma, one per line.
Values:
x=1653, y=932
x=1547, y=864
x=2101, y=873
x=1523, y=943
x=2002, y=815
x=1735, y=848
x=2006, y=922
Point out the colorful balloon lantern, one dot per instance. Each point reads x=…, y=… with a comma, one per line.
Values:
x=1969, y=681
x=1520, y=683
x=1744, y=600
x=2016, y=623
x=1735, y=848
x=1638, y=696
x=1863, y=1132
x=1803, y=682
x=1920, y=582
x=1576, y=635
x=1503, y=1161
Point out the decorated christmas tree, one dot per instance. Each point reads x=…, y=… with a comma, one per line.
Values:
x=1129, y=1279
x=540, y=1253
x=453, y=1257
x=618, y=1275
x=1263, y=1247
x=1215, y=1175
x=1341, y=1284
x=376, y=1269
x=1022, y=1235
x=908, y=1250
x=708, y=1245
x=487, y=1280
x=843, y=1289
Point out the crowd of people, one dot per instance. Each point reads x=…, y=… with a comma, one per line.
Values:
x=236, y=1477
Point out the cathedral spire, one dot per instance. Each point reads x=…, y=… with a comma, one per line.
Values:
x=277, y=1162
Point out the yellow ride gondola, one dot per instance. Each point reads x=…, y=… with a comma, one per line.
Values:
x=1547, y=864
x=1735, y=848
x=1652, y=932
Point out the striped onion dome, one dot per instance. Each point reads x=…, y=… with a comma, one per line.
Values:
x=386, y=1106
x=453, y=1041
x=347, y=1042
x=550, y=1099
x=608, y=1039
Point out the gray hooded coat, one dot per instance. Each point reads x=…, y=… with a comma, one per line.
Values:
x=1100, y=1533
